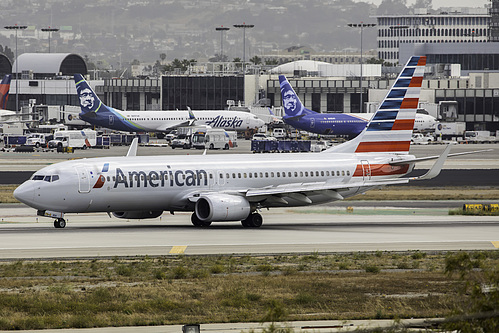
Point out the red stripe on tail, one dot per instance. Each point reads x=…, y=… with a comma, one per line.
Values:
x=383, y=146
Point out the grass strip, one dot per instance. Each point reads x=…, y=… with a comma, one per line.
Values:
x=206, y=289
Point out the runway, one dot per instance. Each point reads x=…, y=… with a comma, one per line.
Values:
x=301, y=230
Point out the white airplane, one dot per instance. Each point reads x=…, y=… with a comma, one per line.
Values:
x=423, y=122
x=235, y=187
x=96, y=113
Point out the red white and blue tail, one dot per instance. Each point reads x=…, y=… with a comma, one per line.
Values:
x=390, y=130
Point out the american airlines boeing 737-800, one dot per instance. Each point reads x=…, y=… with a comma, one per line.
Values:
x=235, y=187
x=97, y=113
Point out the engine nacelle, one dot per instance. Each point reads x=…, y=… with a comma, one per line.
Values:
x=138, y=214
x=222, y=207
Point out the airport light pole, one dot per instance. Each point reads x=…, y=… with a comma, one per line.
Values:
x=361, y=25
x=221, y=29
x=244, y=26
x=50, y=30
x=16, y=28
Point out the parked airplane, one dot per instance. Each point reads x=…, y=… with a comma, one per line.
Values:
x=96, y=113
x=234, y=187
x=343, y=124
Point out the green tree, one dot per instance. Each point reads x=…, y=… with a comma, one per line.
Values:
x=256, y=60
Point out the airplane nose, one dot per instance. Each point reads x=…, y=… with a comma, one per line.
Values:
x=25, y=193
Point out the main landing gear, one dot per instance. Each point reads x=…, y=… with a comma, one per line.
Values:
x=60, y=223
x=254, y=220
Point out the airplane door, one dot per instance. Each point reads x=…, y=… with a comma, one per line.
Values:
x=220, y=178
x=366, y=170
x=312, y=122
x=83, y=179
x=111, y=120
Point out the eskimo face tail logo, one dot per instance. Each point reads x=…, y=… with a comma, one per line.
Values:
x=87, y=99
x=291, y=103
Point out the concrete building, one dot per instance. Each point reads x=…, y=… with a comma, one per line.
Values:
x=469, y=25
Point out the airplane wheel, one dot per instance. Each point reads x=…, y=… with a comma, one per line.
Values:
x=226, y=147
x=255, y=220
x=60, y=223
x=212, y=146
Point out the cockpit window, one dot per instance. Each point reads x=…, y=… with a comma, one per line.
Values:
x=51, y=178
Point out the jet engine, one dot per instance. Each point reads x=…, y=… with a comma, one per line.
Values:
x=222, y=207
x=138, y=214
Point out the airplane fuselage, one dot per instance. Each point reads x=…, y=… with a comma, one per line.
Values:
x=171, y=183
x=347, y=124
x=160, y=121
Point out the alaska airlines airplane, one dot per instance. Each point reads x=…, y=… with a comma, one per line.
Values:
x=235, y=187
x=96, y=113
x=342, y=124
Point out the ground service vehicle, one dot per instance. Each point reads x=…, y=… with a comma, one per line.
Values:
x=74, y=138
x=211, y=138
x=479, y=137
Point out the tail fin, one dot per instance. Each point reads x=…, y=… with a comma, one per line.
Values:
x=293, y=107
x=390, y=130
x=4, y=91
x=89, y=102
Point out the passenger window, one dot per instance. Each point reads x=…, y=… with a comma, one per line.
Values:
x=272, y=174
x=337, y=173
x=233, y=175
x=108, y=178
x=342, y=172
x=245, y=175
x=301, y=173
x=289, y=174
x=296, y=174
x=239, y=175
x=266, y=175
x=306, y=173
x=278, y=174
x=261, y=174
x=221, y=176
x=348, y=172
x=317, y=173
x=327, y=173
x=250, y=175
x=322, y=173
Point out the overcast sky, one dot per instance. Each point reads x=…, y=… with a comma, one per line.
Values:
x=447, y=3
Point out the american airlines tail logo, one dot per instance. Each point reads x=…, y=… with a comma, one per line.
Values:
x=220, y=121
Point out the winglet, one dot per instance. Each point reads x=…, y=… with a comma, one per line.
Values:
x=132, y=151
x=437, y=166
x=192, y=117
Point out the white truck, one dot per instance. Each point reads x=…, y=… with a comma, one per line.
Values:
x=212, y=138
x=74, y=138
x=36, y=139
x=450, y=130
x=479, y=137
